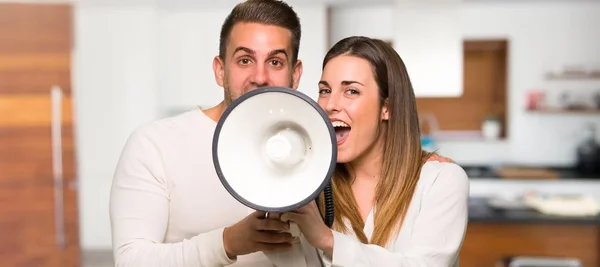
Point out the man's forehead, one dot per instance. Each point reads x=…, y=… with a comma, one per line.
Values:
x=259, y=38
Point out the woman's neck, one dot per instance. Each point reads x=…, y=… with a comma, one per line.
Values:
x=368, y=166
x=366, y=171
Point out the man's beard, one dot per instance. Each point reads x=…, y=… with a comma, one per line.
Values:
x=229, y=96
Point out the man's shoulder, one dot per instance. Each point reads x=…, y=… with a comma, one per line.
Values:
x=175, y=127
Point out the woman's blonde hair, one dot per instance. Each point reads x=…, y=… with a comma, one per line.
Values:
x=402, y=155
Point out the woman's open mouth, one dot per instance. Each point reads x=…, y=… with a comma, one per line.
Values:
x=342, y=131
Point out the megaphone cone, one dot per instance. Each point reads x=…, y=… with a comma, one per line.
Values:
x=275, y=150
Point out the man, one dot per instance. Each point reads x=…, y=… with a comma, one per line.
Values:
x=167, y=205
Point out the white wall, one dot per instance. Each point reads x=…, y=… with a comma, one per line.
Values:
x=381, y=21
x=114, y=81
x=188, y=47
x=542, y=35
x=374, y=21
x=136, y=63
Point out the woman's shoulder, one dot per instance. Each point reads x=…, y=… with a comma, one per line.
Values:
x=448, y=175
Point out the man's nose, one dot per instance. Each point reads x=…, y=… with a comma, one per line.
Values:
x=260, y=76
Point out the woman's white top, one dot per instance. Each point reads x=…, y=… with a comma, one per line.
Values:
x=168, y=208
x=433, y=229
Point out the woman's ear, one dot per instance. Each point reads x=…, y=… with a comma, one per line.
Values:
x=385, y=115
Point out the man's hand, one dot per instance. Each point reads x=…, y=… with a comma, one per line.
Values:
x=254, y=233
x=437, y=157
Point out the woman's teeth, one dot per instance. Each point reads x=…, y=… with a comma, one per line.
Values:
x=340, y=124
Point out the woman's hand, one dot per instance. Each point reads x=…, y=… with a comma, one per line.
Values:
x=312, y=226
x=440, y=158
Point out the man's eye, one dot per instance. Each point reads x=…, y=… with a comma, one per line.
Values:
x=276, y=62
x=244, y=61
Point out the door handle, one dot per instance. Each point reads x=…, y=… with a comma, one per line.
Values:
x=57, y=165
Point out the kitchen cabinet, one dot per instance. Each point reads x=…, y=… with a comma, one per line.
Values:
x=495, y=235
x=38, y=207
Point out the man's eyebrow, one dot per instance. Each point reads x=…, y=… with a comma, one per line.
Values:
x=278, y=51
x=244, y=49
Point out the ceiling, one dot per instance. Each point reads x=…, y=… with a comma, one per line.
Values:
x=231, y=3
x=206, y=3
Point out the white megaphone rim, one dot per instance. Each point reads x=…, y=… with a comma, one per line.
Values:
x=321, y=113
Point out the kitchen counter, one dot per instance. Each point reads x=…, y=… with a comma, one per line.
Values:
x=493, y=235
x=566, y=173
x=479, y=211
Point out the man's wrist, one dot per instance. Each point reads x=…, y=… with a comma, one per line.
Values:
x=228, y=251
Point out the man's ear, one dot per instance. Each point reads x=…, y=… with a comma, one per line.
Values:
x=218, y=69
x=385, y=115
x=297, y=74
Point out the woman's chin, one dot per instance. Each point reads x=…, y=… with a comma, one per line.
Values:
x=343, y=157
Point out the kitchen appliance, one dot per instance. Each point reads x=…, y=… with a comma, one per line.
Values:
x=588, y=152
x=523, y=261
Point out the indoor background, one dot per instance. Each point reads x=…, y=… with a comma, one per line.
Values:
x=508, y=89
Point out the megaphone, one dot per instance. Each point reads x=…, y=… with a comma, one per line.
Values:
x=274, y=150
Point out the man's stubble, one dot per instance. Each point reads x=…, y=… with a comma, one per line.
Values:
x=230, y=96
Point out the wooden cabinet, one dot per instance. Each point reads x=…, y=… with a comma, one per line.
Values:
x=487, y=243
x=38, y=199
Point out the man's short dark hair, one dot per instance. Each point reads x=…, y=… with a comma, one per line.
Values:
x=268, y=12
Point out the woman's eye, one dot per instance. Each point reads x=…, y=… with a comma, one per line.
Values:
x=352, y=91
x=324, y=91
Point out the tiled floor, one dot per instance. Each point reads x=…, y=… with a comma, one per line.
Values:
x=97, y=258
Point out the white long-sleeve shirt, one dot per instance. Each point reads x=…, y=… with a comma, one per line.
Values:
x=433, y=229
x=168, y=208
x=167, y=205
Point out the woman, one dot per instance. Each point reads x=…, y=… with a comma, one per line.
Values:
x=392, y=206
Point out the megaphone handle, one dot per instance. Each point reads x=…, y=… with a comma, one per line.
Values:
x=294, y=229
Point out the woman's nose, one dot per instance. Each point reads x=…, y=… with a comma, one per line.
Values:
x=333, y=104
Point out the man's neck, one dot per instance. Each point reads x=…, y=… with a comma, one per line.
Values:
x=216, y=112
